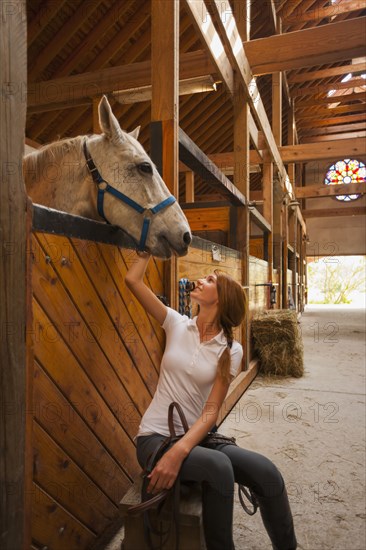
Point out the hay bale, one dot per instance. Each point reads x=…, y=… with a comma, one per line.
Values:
x=278, y=343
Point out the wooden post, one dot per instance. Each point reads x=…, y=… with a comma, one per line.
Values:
x=277, y=98
x=279, y=220
x=242, y=182
x=277, y=235
x=277, y=108
x=15, y=406
x=268, y=210
x=291, y=175
x=164, y=107
x=301, y=268
x=189, y=186
x=242, y=13
x=291, y=141
x=285, y=257
x=294, y=266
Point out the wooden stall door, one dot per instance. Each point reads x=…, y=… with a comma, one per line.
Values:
x=96, y=361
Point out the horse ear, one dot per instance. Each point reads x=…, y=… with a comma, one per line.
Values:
x=108, y=122
x=135, y=132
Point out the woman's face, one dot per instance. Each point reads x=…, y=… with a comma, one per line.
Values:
x=205, y=292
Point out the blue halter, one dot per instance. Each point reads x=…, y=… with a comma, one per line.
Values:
x=99, y=181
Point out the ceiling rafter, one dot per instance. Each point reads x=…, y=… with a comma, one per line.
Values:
x=320, y=88
x=345, y=6
x=324, y=73
x=307, y=47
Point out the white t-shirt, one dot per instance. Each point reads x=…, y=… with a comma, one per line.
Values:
x=187, y=373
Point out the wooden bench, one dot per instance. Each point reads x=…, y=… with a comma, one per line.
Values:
x=190, y=521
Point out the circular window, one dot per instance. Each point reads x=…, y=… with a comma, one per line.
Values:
x=344, y=172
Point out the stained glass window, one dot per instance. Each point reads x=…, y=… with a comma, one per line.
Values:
x=344, y=172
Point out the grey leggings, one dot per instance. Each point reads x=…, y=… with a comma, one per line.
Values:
x=217, y=470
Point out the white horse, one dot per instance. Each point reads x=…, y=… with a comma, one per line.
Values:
x=111, y=177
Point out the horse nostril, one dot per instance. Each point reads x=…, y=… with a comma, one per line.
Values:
x=187, y=238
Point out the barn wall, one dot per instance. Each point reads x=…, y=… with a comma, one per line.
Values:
x=97, y=357
x=209, y=219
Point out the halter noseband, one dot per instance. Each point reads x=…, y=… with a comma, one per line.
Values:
x=99, y=181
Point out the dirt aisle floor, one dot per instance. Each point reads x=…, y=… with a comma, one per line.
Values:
x=313, y=428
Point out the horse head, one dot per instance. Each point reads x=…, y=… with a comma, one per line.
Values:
x=131, y=193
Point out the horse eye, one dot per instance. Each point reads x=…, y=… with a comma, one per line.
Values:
x=145, y=167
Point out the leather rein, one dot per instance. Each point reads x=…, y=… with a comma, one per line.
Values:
x=104, y=187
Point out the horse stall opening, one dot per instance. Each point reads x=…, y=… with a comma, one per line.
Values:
x=96, y=363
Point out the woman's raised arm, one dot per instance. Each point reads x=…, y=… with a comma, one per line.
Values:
x=135, y=282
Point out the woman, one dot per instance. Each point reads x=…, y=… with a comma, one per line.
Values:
x=201, y=358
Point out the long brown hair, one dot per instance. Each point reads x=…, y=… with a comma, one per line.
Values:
x=231, y=313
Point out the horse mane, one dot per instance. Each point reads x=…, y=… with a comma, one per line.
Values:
x=54, y=153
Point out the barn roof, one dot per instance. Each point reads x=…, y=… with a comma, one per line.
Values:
x=316, y=44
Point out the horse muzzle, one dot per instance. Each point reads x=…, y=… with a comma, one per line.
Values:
x=166, y=246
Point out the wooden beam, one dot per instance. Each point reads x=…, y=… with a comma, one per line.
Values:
x=302, y=15
x=15, y=290
x=335, y=212
x=165, y=109
x=268, y=211
x=323, y=112
x=47, y=220
x=346, y=98
x=277, y=235
x=233, y=44
x=342, y=148
x=201, y=18
x=305, y=152
x=285, y=234
x=326, y=73
x=277, y=108
x=316, y=122
x=315, y=191
x=333, y=129
x=240, y=240
x=307, y=47
x=123, y=77
x=259, y=220
x=137, y=94
x=293, y=265
x=240, y=234
x=32, y=143
x=342, y=135
x=226, y=160
x=320, y=88
x=291, y=140
x=189, y=186
x=206, y=30
x=198, y=162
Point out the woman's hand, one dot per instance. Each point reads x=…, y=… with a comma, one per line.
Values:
x=165, y=472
